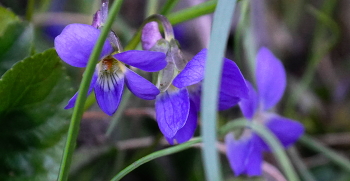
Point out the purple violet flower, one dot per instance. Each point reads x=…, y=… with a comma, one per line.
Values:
x=177, y=108
x=245, y=154
x=178, y=104
x=74, y=46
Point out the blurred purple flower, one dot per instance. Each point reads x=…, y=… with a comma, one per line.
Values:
x=245, y=154
x=177, y=108
x=74, y=46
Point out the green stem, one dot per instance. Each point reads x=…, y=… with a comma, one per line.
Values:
x=152, y=6
x=30, y=10
x=192, y=12
x=168, y=6
x=83, y=89
x=270, y=139
x=299, y=165
x=220, y=30
x=329, y=153
x=178, y=17
x=157, y=154
x=241, y=27
x=119, y=113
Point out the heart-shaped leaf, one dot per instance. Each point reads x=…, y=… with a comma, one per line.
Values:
x=33, y=122
x=16, y=39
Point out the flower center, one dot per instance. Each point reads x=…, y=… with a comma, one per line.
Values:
x=110, y=72
x=108, y=63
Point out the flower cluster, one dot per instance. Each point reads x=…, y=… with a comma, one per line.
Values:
x=178, y=88
x=245, y=154
x=178, y=104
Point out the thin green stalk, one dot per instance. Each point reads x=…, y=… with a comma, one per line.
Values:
x=299, y=165
x=168, y=6
x=119, y=113
x=154, y=155
x=30, y=10
x=83, y=89
x=152, y=6
x=220, y=30
x=192, y=12
x=241, y=27
x=178, y=17
x=329, y=153
x=270, y=139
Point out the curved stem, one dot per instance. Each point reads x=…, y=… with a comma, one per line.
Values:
x=178, y=17
x=154, y=155
x=299, y=165
x=270, y=139
x=168, y=6
x=209, y=100
x=83, y=89
x=329, y=153
x=168, y=29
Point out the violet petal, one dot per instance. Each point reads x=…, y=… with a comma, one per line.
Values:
x=108, y=91
x=249, y=105
x=139, y=86
x=254, y=162
x=74, y=45
x=288, y=131
x=145, y=60
x=232, y=87
x=237, y=152
x=172, y=109
x=271, y=78
x=193, y=72
x=187, y=131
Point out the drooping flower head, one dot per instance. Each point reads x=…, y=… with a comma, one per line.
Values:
x=74, y=46
x=178, y=103
x=245, y=153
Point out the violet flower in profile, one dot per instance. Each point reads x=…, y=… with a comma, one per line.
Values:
x=178, y=104
x=245, y=153
x=177, y=108
x=74, y=46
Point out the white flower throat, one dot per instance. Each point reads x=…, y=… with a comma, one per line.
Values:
x=110, y=72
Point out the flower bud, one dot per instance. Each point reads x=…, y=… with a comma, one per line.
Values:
x=150, y=35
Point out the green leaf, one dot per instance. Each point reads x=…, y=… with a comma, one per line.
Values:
x=33, y=122
x=16, y=39
x=7, y=17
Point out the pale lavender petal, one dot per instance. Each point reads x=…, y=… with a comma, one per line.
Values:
x=187, y=131
x=139, y=86
x=71, y=102
x=232, y=87
x=108, y=92
x=288, y=131
x=193, y=72
x=74, y=45
x=150, y=35
x=249, y=105
x=172, y=109
x=237, y=152
x=145, y=60
x=271, y=78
